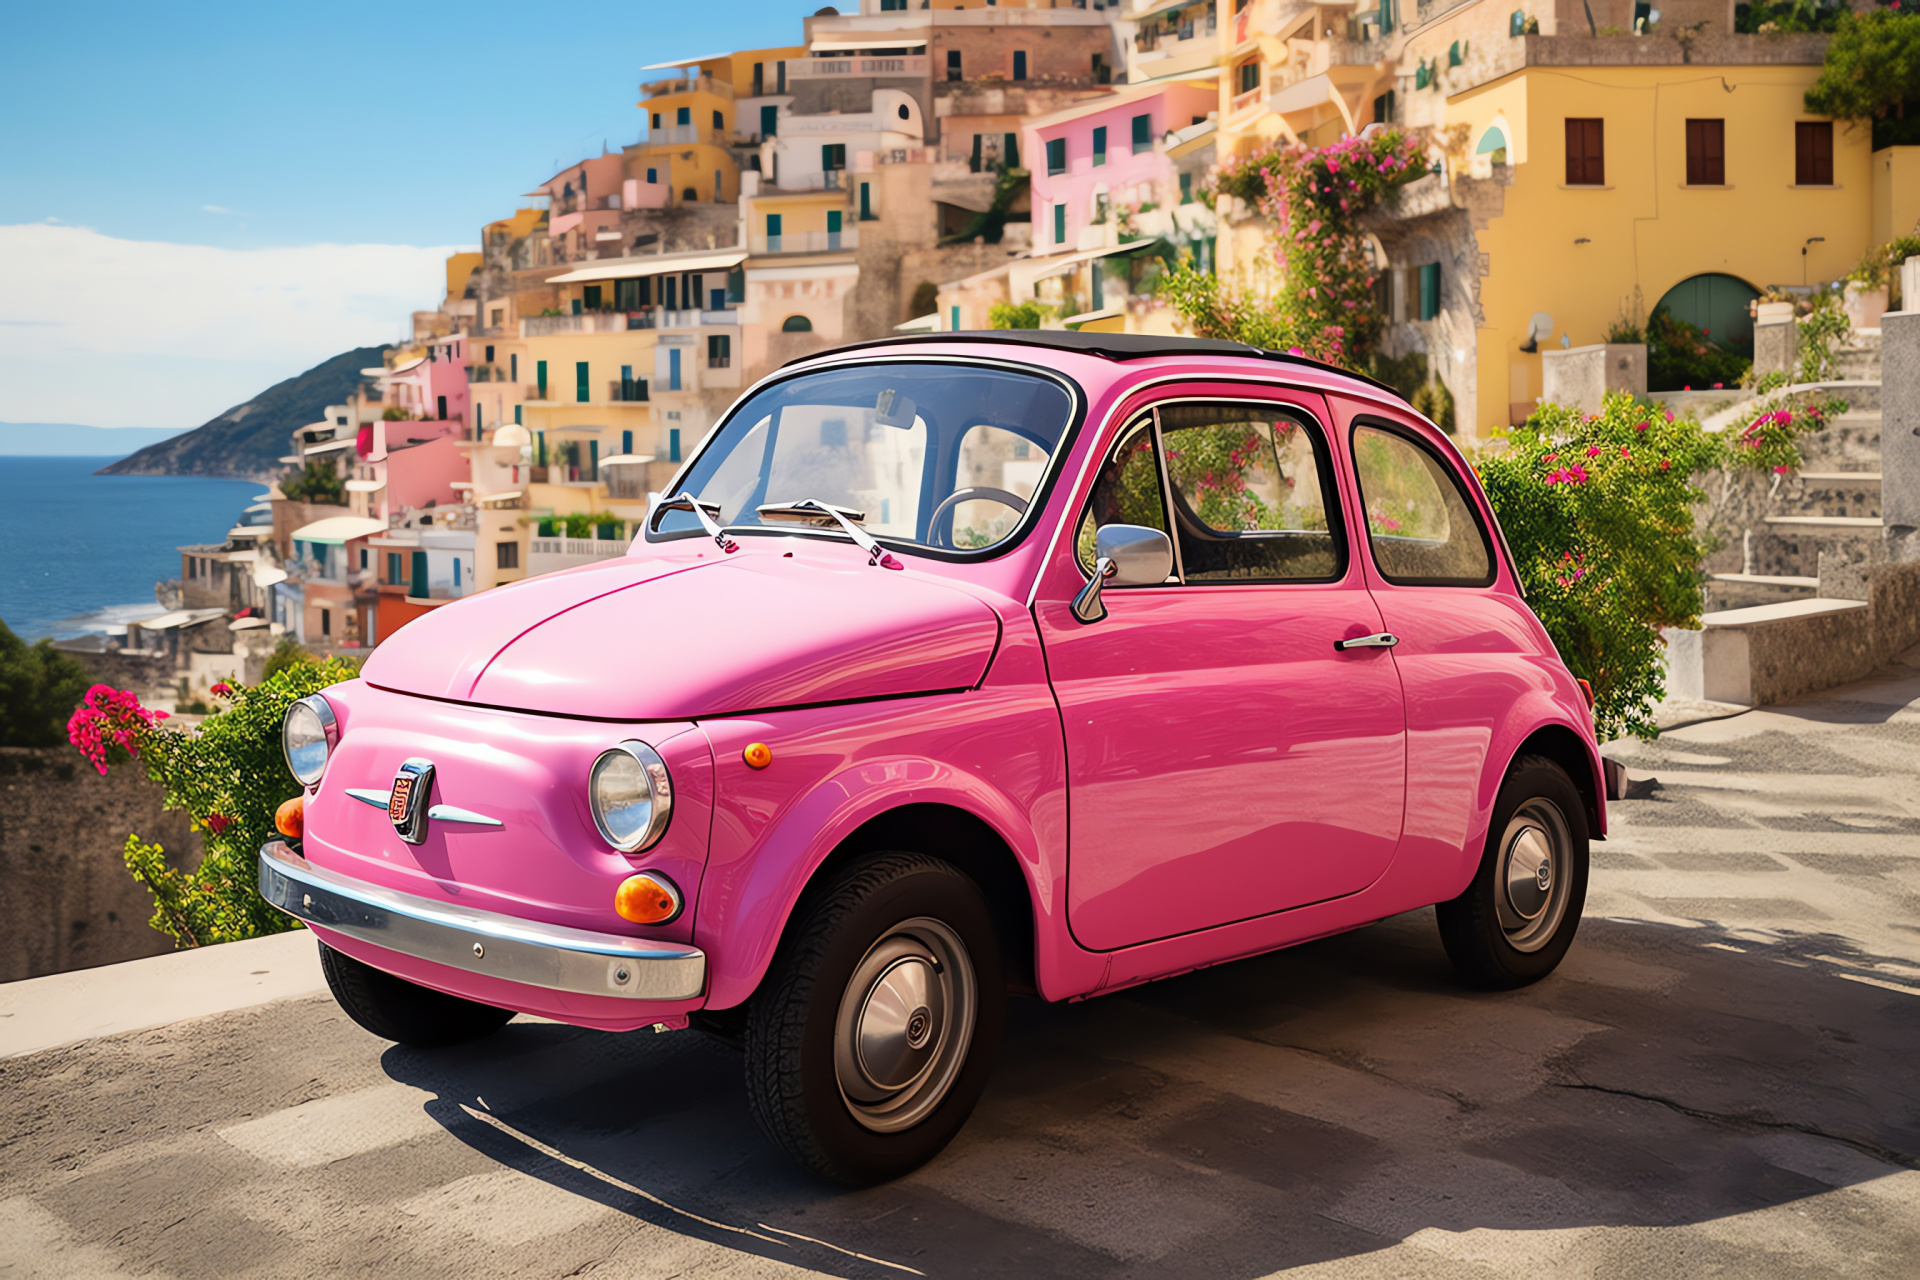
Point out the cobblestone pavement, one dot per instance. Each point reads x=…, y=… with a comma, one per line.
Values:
x=1724, y=1078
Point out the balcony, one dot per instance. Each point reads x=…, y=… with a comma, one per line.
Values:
x=546, y=555
x=627, y=391
x=847, y=68
x=663, y=318
x=685, y=135
x=586, y=322
x=701, y=83
x=808, y=242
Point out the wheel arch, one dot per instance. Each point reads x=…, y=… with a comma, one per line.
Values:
x=1563, y=745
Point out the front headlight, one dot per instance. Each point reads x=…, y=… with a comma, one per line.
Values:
x=307, y=736
x=631, y=796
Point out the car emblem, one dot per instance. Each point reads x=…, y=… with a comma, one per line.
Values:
x=407, y=803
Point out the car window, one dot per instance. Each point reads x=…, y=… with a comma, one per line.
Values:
x=996, y=463
x=1423, y=530
x=1251, y=494
x=1127, y=490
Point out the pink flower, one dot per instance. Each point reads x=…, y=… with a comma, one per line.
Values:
x=109, y=715
x=1593, y=451
x=1780, y=471
x=1625, y=452
x=222, y=690
x=218, y=822
x=1717, y=386
x=1665, y=463
x=1669, y=415
x=1643, y=426
x=1552, y=457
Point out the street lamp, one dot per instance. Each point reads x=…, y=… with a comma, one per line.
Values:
x=1811, y=240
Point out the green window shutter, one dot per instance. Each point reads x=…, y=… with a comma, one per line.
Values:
x=954, y=324
x=1099, y=286
x=626, y=441
x=580, y=382
x=1142, y=134
x=541, y=438
x=513, y=367
x=673, y=445
x=593, y=459
x=1429, y=291
x=769, y=122
x=833, y=222
x=773, y=225
x=540, y=376
x=1010, y=150
x=418, y=588
x=1059, y=224
x=1100, y=146
x=1186, y=188
x=1056, y=155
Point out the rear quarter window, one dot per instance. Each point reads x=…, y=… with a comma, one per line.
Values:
x=1421, y=526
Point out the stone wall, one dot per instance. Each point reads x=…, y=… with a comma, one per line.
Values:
x=70, y=902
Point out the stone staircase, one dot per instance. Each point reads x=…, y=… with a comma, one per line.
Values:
x=1820, y=518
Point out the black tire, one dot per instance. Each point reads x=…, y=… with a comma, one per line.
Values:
x=1491, y=942
x=834, y=969
x=405, y=1012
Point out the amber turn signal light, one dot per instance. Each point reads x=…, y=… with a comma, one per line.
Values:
x=647, y=899
x=758, y=755
x=290, y=819
x=1586, y=691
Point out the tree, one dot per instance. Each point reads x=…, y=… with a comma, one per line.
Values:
x=39, y=688
x=1007, y=315
x=318, y=482
x=1872, y=69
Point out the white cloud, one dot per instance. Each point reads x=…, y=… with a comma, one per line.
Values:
x=230, y=213
x=135, y=333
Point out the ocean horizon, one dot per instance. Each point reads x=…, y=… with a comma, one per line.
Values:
x=84, y=551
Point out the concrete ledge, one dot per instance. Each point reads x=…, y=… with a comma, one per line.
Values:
x=62, y=1008
x=1773, y=652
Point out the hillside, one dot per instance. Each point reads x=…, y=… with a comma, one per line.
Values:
x=247, y=440
x=71, y=440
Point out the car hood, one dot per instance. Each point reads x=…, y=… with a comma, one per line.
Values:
x=636, y=639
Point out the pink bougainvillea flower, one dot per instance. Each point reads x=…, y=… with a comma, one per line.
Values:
x=1552, y=457
x=1717, y=386
x=218, y=822
x=108, y=715
x=1625, y=452
x=1643, y=426
x=1593, y=451
x=1669, y=415
x=1665, y=463
x=222, y=690
x=1782, y=470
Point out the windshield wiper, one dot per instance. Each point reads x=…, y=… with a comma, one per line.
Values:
x=704, y=512
x=823, y=515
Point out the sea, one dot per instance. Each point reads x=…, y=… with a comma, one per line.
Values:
x=80, y=553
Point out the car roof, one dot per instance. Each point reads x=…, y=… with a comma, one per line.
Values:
x=1109, y=346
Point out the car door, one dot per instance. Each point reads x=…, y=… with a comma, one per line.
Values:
x=1224, y=759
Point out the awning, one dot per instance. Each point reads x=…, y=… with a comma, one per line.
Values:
x=1068, y=262
x=876, y=41
x=924, y=324
x=264, y=577
x=1311, y=92
x=247, y=624
x=626, y=460
x=365, y=486
x=331, y=446
x=295, y=460
x=179, y=618
x=654, y=265
x=504, y=495
x=684, y=62
x=337, y=530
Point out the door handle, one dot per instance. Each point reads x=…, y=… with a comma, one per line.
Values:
x=1383, y=640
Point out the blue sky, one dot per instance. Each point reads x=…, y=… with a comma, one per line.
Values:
x=198, y=201
x=347, y=122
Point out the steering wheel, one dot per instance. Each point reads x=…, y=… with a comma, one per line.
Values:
x=1001, y=496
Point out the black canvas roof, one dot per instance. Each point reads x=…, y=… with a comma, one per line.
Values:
x=1111, y=346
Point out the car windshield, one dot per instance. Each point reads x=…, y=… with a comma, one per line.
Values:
x=945, y=456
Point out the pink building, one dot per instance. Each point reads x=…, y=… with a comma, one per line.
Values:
x=433, y=386
x=403, y=467
x=1094, y=160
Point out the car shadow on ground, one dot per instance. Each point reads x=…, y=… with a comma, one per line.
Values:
x=1318, y=1103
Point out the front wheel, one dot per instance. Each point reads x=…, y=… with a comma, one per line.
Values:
x=1516, y=920
x=873, y=1036
x=405, y=1012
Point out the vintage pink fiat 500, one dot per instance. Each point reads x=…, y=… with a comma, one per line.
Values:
x=954, y=667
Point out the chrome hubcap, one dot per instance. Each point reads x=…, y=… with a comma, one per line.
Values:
x=904, y=1025
x=1532, y=887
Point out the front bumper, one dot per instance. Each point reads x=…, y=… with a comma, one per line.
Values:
x=549, y=956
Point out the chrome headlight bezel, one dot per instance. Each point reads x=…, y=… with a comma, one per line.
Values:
x=659, y=783
x=329, y=726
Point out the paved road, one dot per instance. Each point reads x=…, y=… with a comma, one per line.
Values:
x=1724, y=1078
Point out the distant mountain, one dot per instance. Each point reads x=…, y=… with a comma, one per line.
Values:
x=71, y=440
x=247, y=440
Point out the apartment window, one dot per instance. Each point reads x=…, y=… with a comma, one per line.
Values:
x=441, y=404
x=891, y=6
x=1056, y=156
x=592, y=297
x=866, y=203
x=1383, y=108
x=719, y=120
x=626, y=437
x=326, y=622
x=979, y=147
x=1186, y=188
x=656, y=120
x=953, y=64
x=683, y=115
x=653, y=177
x=343, y=421
x=1060, y=224
x=506, y=555
x=1102, y=73
x=759, y=78
x=1010, y=150
x=1142, y=134
x=1706, y=153
x=719, y=351
x=513, y=367
x=673, y=368
x=365, y=556
x=1586, y=153
x=1430, y=291
x=953, y=319
x=1099, y=146
x=1247, y=76
x=833, y=156
x=419, y=588
x=1813, y=153
x=673, y=445
x=780, y=76
x=580, y=391
x=516, y=416
x=736, y=285
x=456, y=571
x=394, y=570
x=1019, y=64
x=773, y=233
x=770, y=121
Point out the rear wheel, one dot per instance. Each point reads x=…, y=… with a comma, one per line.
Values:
x=1516, y=920
x=405, y=1012
x=874, y=1034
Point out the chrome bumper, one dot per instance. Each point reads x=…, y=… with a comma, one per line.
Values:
x=540, y=955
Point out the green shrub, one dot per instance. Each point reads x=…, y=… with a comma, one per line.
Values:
x=1682, y=356
x=1436, y=402
x=289, y=652
x=1024, y=315
x=1599, y=514
x=317, y=482
x=39, y=688
x=229, y=776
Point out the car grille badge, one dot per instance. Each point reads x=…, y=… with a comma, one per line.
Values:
x=407, y=802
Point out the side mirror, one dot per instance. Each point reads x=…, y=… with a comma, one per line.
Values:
x=1125, y=555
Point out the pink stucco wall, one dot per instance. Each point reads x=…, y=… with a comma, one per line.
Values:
x=1127, y=177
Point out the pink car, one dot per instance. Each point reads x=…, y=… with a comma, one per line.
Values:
x=951, y=668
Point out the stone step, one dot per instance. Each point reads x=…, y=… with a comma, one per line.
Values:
x=1851, y=442
x=1827, y=522
x=1744, y=590
x=1831, y=493
x=1791, y=546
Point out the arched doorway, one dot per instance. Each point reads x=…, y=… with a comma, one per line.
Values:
x=1717, y=305
x=800, y=324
